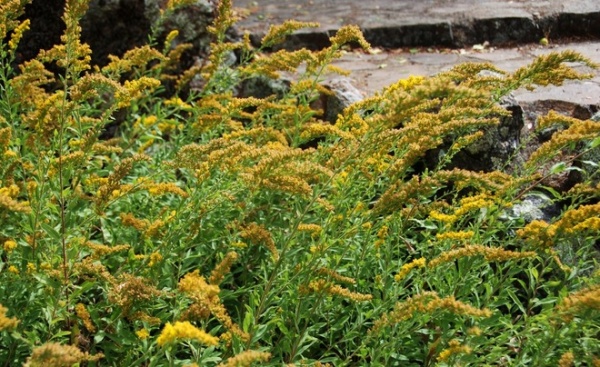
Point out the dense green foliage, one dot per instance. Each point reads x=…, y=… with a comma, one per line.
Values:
x=219, y=229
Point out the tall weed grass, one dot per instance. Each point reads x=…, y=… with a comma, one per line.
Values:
x=220, y=230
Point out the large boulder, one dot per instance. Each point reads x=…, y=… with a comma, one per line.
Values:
x=115, y=26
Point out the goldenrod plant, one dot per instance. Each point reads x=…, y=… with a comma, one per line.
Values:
x=214, y=229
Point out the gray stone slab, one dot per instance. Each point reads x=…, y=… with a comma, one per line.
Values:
x=405, y=23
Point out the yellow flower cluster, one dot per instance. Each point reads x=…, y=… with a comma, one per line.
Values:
x=566, y=360
x=455, y=235
x=130, y=290
x=206, y=301
x=17, y=34
x=489, y=253
x=9, y=12
x=112, y=182
x=88, y=268
x=54, y=354
x=404, y=193
x=585, y=218
x=155, y=258
x=246, y=359
x=314, y=229
x=335, y=275
x=142, y=334
x=277, y=33
x=353, y=123
x=258, y=234
x=406, y=268
x=454, y=347
x=9, y=246
x=405, y=84
x=101, y=250
x=578, y=132
x=223, y=268
x=8, y=200
x=84, y=316
x=581, y=301
x=175, y=4
x=184, y=330
x=467, y=205
x=7, y=323
x=538, y=233
x=494, y=181
x=475, y=331
x=349, y=34
x=153, y=229
x=427, y=302
x=225, y=18
x=382, y=234
x=135, y=58
x=163, y=188
x=28, y=86
x=322, y=286
x=314, y=130
x=549, y=69
x=128, y=219
x=135, y=89
x=5, y=136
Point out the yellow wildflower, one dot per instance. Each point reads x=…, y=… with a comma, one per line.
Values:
x=84, y=315
x=566, y=360
x=578, y=302
x=458, y=236
x=323, y=286
x=348, y=34
x=427, y=302
x=314, y=229
x=489, y=253
x=246, y=358
x=258, y=234
x=142, y=334
x=18, y=34
x=175, y=4
x=13, y=269
x=445, y=218
x=406, y=268
x=218, y=273
x=134, y=89
x=277, y=33
x=158, y=189
x=184, y=330
x=454, y=347
x=9, y=154
x=7, y=323
x=54, y=354
x=538, y=233
x=170, y=37
x=335, y=275
x=155, y=258
x=405, y=84
x=475, y=331
x=9, y=246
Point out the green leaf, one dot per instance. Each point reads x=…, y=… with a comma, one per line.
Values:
x=515, y=299
x=595, y=143
x=558, y=168
x=51, y=231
